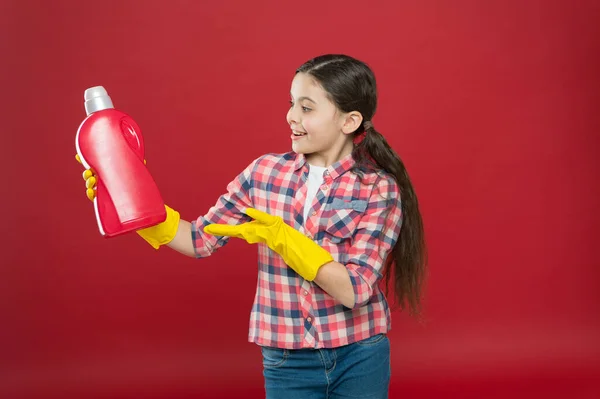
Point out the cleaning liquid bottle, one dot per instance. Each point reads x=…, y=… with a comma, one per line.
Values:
x=110, y=143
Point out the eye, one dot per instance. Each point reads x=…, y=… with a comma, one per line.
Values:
x=304, y=109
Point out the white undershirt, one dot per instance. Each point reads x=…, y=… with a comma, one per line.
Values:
x=315, y=179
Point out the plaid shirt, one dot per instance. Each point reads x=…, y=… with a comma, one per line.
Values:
x=358, y=222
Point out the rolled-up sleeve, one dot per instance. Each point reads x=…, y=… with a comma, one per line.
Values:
x=376, y=235
x=229, y=209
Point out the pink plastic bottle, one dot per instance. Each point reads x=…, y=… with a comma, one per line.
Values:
x=111, y=144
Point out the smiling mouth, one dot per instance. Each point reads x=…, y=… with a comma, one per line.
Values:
x=298, y=134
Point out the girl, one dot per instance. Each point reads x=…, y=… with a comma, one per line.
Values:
x=327, y=219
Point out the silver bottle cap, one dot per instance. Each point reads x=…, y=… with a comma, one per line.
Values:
x=96, y=99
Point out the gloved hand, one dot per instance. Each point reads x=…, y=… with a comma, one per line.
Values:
x=298, y=251
x=156, y=235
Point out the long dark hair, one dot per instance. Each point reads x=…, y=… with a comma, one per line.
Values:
x=351, y=86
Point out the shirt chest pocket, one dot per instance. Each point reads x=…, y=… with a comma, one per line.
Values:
x=341, y=218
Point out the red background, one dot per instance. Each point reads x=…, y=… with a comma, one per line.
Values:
x=492, y=105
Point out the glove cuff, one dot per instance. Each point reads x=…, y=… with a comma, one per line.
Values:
x=162, y=233
x=319, y=258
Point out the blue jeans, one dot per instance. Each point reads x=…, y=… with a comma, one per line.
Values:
x=359, y=370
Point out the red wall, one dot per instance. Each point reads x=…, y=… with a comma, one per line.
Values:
x=492, y=105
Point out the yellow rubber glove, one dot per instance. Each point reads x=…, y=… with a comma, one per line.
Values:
x=162, y=233
x=156, y=235
x=298, y=251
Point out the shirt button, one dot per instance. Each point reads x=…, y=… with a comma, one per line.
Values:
x=314, y=213
x=309, y=235
x=325, y=188
x=309, y=319
x=305, y=292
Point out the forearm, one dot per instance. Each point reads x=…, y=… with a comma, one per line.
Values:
x=182, y=242
x=333, y=278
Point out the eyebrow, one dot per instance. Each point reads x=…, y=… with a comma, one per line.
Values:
x=305, y=98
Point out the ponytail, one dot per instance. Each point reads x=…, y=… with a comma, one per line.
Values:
x=408, y=258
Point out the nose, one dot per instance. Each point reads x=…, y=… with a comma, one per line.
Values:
x=292, y=116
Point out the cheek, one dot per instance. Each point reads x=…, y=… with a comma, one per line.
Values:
x=311, y=125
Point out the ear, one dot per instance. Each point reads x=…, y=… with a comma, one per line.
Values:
x=351, y=122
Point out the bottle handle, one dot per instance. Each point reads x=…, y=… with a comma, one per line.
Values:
x=133, y=138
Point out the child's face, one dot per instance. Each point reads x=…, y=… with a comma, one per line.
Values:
x=315, y=121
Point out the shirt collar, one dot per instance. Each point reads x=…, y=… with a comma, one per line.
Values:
x=299, y=161
x=341, y=166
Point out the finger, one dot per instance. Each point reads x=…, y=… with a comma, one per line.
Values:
x=225, y=230
x=91, y=194
x=261, y=216
x=91, y=182
x=78, y=158
x=87, y=174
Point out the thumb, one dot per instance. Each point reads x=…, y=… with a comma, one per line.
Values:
x=262, y=217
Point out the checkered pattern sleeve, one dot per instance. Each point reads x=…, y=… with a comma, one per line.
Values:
x=376, y=234
x=229, y=209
